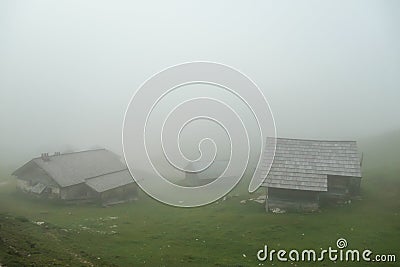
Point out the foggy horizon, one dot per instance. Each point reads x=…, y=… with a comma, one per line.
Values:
x=69, y=70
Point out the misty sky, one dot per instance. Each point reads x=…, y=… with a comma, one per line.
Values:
x=329, y=69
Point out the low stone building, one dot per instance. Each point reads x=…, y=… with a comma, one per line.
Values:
x=92, y=175
x=206, y=176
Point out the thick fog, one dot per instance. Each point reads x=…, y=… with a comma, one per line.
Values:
x=68, y=69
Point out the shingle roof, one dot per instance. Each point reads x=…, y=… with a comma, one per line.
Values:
x=110, y=181
x=73, y=168
x=305, y=164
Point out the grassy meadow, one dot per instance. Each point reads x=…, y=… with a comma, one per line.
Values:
x=34, y=232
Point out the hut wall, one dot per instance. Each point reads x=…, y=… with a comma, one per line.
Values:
x=32, y=176
x=290, y=199
x=341, y=188
x=24, y=185
x=354, y=186
x=191, y=179
x=338, y=185
x=119, y=194
x=77, y=192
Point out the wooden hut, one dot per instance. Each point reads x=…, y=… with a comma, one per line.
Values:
x=304, y=173
x=92, y=175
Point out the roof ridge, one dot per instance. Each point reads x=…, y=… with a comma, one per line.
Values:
x=88, y=178
x=81, y=151
x=75, y=152
x=318, y=140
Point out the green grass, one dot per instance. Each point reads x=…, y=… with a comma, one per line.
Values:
x=148, y=233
